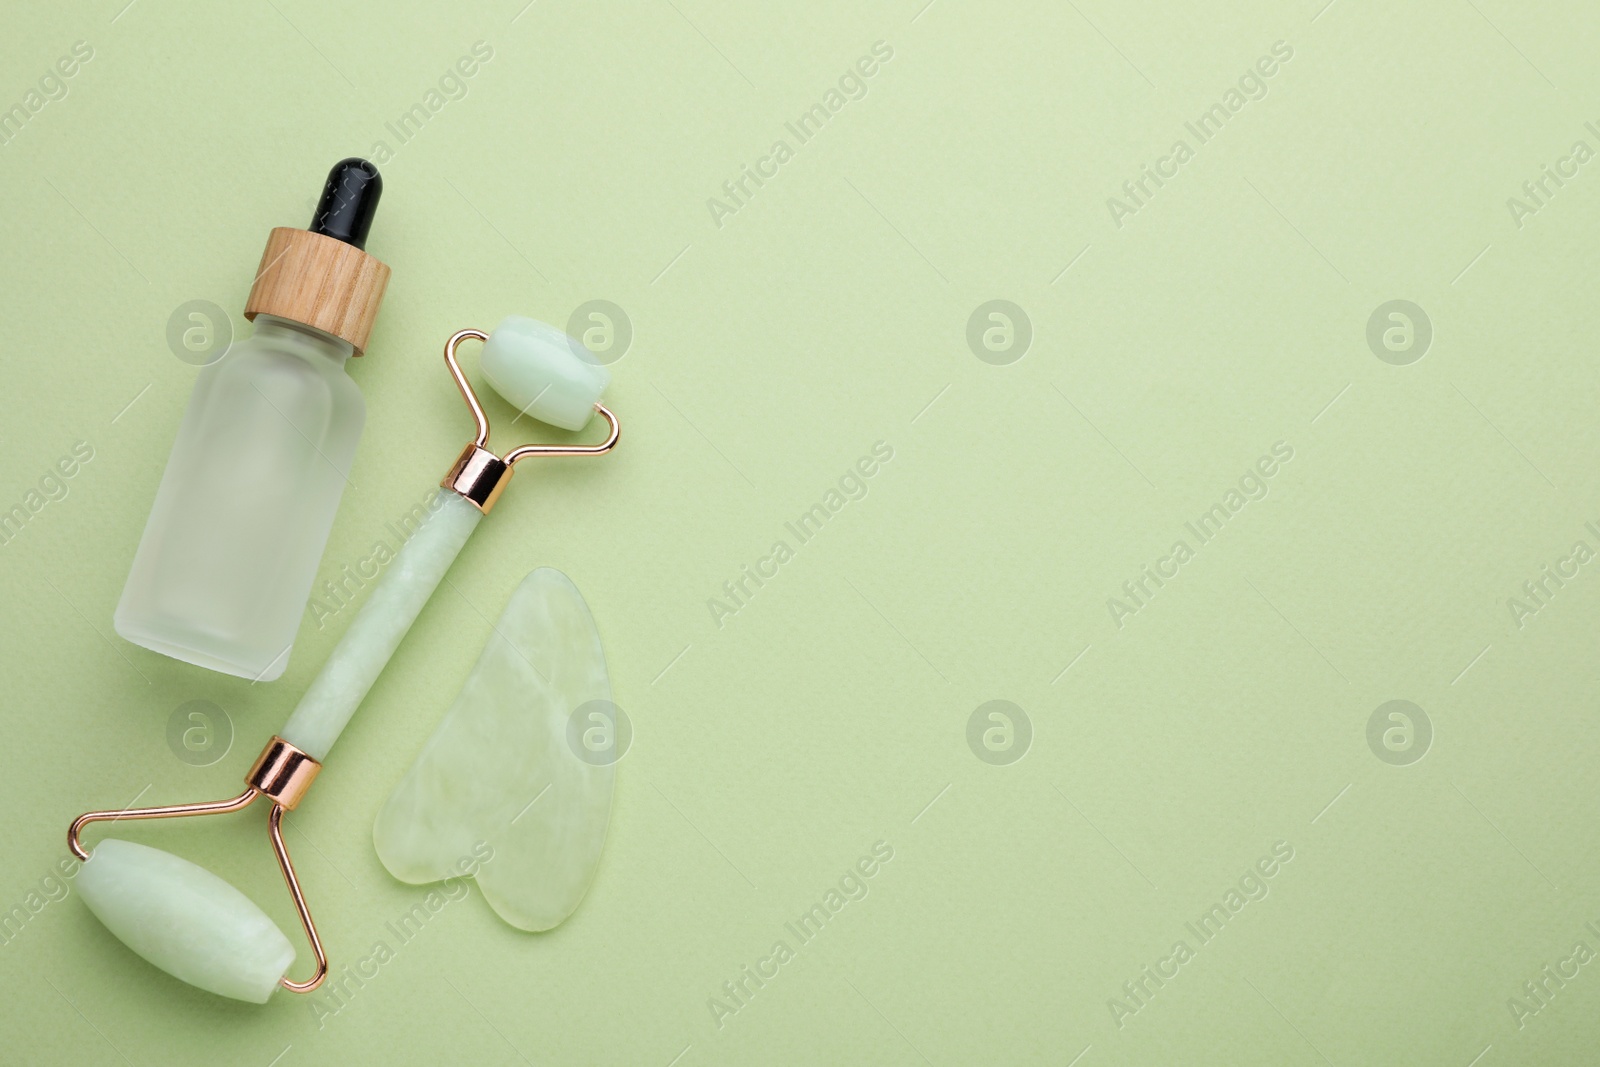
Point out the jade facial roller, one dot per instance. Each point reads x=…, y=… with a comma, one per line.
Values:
x=194, y=925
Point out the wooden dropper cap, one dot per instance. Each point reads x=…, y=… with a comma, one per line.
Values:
x=321, y=276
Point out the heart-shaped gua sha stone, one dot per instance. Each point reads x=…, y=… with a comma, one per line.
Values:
x=500, y=769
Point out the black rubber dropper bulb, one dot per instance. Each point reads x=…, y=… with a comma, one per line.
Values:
x=349, y=200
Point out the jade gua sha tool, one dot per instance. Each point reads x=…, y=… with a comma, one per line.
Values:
x=194, y=925
x=512, y=765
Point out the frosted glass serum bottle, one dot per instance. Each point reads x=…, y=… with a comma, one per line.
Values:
x=231, y=548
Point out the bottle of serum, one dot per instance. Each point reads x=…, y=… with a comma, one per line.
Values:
x=231, y=548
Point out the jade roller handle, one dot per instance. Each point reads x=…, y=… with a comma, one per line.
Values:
x=380, y=626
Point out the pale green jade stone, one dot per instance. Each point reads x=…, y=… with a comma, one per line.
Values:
x=500, y=769
x=545, y=373
x=185, y=920
x=379, y=626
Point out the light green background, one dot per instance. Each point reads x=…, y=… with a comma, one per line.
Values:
x=770, y=353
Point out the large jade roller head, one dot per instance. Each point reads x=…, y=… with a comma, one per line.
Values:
x=186, y=920
x=194, y=925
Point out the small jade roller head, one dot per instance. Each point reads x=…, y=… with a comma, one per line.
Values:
x=547, y=375
x=544, y=373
